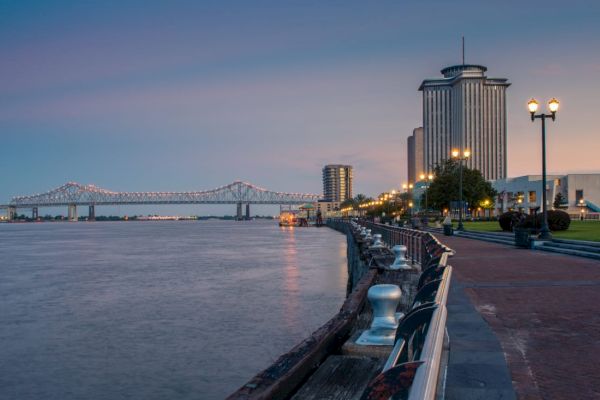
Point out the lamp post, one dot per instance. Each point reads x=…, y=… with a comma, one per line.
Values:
x=457, y=156
x=427, y=178
x=553, y=107
x=408, y=190
x=486, y=204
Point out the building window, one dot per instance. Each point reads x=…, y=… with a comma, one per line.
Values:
x=532, y=196
x=578, y=195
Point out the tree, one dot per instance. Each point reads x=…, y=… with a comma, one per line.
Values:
x=559, y=201
x=347, y=203
x=360, y=198
x=445, y=186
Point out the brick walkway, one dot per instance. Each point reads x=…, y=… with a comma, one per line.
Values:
x=545, y=310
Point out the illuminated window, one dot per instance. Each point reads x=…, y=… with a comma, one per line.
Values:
x=532, y=196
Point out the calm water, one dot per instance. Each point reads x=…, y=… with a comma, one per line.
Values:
x=157, y=310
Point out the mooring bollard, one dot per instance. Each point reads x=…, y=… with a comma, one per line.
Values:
x=384, y=299
x=368, y=237
x=377, y=243
x=363, y=232
x=400, y=262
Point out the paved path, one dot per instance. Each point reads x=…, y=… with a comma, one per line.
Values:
x=543, y=309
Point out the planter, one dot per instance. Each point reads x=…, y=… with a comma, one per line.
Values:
x=448, y=230
x=522, y=238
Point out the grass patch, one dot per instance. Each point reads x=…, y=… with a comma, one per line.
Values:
x=581, y=230
x=578, y=230
x=482, y=226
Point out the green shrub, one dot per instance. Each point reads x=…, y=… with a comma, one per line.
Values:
x=558, y=220
x=509, y=219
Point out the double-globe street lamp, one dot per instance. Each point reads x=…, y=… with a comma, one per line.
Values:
x=464, y=157
x=426, y=178
x=553, y=107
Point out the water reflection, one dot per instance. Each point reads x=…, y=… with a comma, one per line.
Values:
x=291, y=285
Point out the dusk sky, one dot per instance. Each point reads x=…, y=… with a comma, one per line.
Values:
x=191, y=95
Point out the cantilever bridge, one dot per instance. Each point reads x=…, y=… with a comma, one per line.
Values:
x=74, y=194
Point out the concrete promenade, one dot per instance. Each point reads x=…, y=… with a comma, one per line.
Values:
x=544, y=312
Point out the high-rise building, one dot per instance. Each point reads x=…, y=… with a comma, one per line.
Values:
x=414, y=146
x=466, y=110
x=337, y=182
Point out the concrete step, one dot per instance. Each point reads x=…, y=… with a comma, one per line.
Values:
x=510, y=236
x=570, y=252
x=578, y=242
x=568, y=246
x=488, y=238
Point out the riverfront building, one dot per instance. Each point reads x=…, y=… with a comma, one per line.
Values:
x=414, y=145
x=465, y=110
x=579, y=193
x=337, y=182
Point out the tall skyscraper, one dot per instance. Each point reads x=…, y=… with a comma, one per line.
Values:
x=414, y=146
x=466, y=110
x=337, y=182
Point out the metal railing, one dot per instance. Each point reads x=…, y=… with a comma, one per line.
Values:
x=421, y=246
x=414, y=365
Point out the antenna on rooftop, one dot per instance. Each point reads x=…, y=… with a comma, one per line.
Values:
x=463, y=50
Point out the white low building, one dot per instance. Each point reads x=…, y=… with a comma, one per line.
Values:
x=579, y=193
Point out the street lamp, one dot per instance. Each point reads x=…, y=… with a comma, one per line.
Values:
x=408, y=189
x=553, y=107
x=427, y=178
x=457, y=156
x=486, y=203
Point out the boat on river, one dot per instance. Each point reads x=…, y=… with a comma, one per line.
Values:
x=288, y=218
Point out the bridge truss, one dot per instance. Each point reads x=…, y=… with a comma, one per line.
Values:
x=75, y=194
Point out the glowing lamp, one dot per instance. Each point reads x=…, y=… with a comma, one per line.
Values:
x=553, y=105
x=532, y=105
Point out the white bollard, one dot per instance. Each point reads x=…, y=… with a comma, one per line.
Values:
x=400, y=262
x=377, y=242
x=384, y=300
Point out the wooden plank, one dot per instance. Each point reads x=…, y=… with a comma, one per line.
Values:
x=340, y=378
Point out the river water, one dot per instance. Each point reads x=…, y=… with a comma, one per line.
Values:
x=158, y=310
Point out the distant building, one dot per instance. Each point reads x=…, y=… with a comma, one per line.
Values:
x=414, y=145
x=337, y=182
x=466, y=110
x=579, y=192
x=327, y=208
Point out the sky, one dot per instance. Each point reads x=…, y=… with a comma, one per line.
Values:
x=191, y=95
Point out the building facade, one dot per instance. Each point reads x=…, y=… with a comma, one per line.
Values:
x=414, y=145
x=337, y=182
x=466, y=110
x=580, y=193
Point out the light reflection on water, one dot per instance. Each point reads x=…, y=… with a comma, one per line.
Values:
x=291, y=284
x=154, y=310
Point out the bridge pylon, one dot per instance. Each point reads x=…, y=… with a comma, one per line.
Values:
x=239, y=215
x=72, y=212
